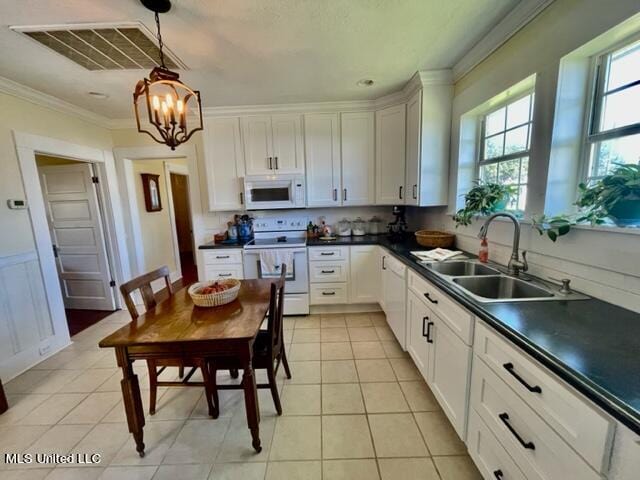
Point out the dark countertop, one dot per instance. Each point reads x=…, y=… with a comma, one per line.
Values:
x=591, y=344
x=215, y=246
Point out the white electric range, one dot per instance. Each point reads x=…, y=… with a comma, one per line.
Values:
x=285, y=233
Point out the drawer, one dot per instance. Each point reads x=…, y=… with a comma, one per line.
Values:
x=328, y=253
x=490, y=457
x=222, y=272
x=222, y=256
x=328, y=271
x=392, y=264
x=328, y=293
x=537, y=450
x=456, y=317
x=580, y=424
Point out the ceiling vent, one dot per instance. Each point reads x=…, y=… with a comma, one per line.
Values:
x=103, y=46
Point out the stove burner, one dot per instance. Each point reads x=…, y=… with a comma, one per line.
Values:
x=282, y=239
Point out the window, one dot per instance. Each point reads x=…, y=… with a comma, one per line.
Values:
x=504, y=149
x=614, y=129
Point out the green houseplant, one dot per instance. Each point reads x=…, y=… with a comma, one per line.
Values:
x=483, y=199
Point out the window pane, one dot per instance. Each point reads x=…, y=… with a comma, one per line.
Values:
x=522, y=198
x=621, y=108
x=489, y=173
x=509, y=172
x=524, y=170
x=493, y=146
x=516, y=140
x=624, y=66
x=518, y=112
x=495, y=122
x=618, y=150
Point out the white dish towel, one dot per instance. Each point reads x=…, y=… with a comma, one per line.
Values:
x=272, y=260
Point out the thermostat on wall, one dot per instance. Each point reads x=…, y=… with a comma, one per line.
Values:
x=17, y=204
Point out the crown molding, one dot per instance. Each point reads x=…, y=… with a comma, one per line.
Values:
x=36, y=97
x=506, y=28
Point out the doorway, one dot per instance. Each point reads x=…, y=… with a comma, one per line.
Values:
x=76, y=221
x=179, y=187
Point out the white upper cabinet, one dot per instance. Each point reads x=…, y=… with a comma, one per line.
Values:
x=223, y=163
x=358, y=158
x=427, y=147
x=390, y=155
x=322, y=153
x=273, y=144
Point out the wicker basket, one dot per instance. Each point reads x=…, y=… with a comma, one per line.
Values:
x=435, y=238
x=214, y=299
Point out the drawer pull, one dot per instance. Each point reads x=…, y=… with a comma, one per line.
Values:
x=222, y=256
x=498, y=474
x=327, y=271
x=428, y=297
x=327, y=254
x=504, y=417
x=328, y=294
x=427, y=334
x=510, y=368
x=224, y=274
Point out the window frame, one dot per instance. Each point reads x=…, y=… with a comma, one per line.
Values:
x=597, y=80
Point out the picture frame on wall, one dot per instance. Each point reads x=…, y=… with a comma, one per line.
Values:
x=151, y=189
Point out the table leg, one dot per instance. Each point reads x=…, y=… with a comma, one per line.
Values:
x=131, y=398
x=251, y=398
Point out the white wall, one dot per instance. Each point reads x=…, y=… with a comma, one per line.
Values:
x=603, y=263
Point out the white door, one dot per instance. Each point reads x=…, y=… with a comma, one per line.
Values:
x=77, y=233
x=322, y=154
x=364, y=282
x=414, y=124
x=449, y=369
x=288, y=155
x=224, y=163
x=256, y=132
x=390, y=155
x=358, y=158
x=418, y=333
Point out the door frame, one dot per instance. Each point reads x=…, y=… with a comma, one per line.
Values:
x=170, y=168
x=27, y=146
x=124, y=158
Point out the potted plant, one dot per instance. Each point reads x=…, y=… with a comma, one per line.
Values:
x=483, y=199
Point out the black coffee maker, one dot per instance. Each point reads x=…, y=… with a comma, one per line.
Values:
x=398, y=228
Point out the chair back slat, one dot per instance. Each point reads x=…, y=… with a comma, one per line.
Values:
x=276, y=311
x=143, y=284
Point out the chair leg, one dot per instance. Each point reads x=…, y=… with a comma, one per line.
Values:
x=274, y=389
x=153, y=386
x=285, y=364
x=234, y=373
x=181, y=371
x=209, y=388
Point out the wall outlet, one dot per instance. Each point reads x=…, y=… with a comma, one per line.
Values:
x=44, y=349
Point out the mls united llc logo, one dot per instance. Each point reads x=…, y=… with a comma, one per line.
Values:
x=51, y=458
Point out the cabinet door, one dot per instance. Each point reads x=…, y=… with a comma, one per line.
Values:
x=395, y=300
x=449, y=368
x=390, y=155
x=358, y=158
x=417, y=328
x=288, y=155
x=224, y=164
x=322, y=154
x=414, y=123
x=365, y=274
x=256, y=132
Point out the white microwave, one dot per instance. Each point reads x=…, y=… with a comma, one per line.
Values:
x=266, y=192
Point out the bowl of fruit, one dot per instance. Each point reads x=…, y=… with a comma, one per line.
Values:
x=214, y=292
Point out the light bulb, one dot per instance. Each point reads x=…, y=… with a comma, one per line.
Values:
x=165, y=109
x=156, y=102
x=170, y=101
x=180, y=106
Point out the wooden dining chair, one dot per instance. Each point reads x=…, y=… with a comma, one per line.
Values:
x=268, y=350
x=157, y=366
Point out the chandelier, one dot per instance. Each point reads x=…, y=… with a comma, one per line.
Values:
x=167, y=101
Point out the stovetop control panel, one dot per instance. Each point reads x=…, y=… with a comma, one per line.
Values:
x=278, y=224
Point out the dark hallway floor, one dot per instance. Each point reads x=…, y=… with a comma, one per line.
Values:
x=78, y=320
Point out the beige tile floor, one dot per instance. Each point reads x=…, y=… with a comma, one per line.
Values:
x=356, y=409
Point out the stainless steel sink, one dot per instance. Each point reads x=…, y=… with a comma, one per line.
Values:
x=500, y=288
x=462, y=269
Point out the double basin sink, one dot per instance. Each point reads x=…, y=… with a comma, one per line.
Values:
x=488, y=285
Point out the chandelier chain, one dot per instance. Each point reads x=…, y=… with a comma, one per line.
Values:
x=160, y=44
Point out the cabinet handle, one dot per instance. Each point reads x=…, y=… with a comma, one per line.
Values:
x=383, y=265
x=400, y=192
x=276, y=163
x=498, y=474
x=327, y=271
x=328, y=294
x=504, y=417
x=241, y=198
x=335, y=194
x=270, y=164
x=428, y=297
x=428, y=326
x=222, y=256
x=224, y=274
x=511, y=369
x=327, y=254
x=345, y=195
x=415, y=192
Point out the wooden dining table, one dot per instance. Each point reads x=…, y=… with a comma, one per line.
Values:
x=177, y=329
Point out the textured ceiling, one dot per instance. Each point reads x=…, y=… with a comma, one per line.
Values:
x=242, y=52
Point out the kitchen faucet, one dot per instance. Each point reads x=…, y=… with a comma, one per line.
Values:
x=515, y=266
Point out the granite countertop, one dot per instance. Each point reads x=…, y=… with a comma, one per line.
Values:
x=593, y=345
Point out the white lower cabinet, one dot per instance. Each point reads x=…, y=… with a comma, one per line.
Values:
x=364, y=284
x=394, y=287
x=222, y=263
x=328, y=275
x=418, y=332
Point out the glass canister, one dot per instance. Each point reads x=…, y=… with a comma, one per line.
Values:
x=344, y=228
x=375, y=226
x=359, y=227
